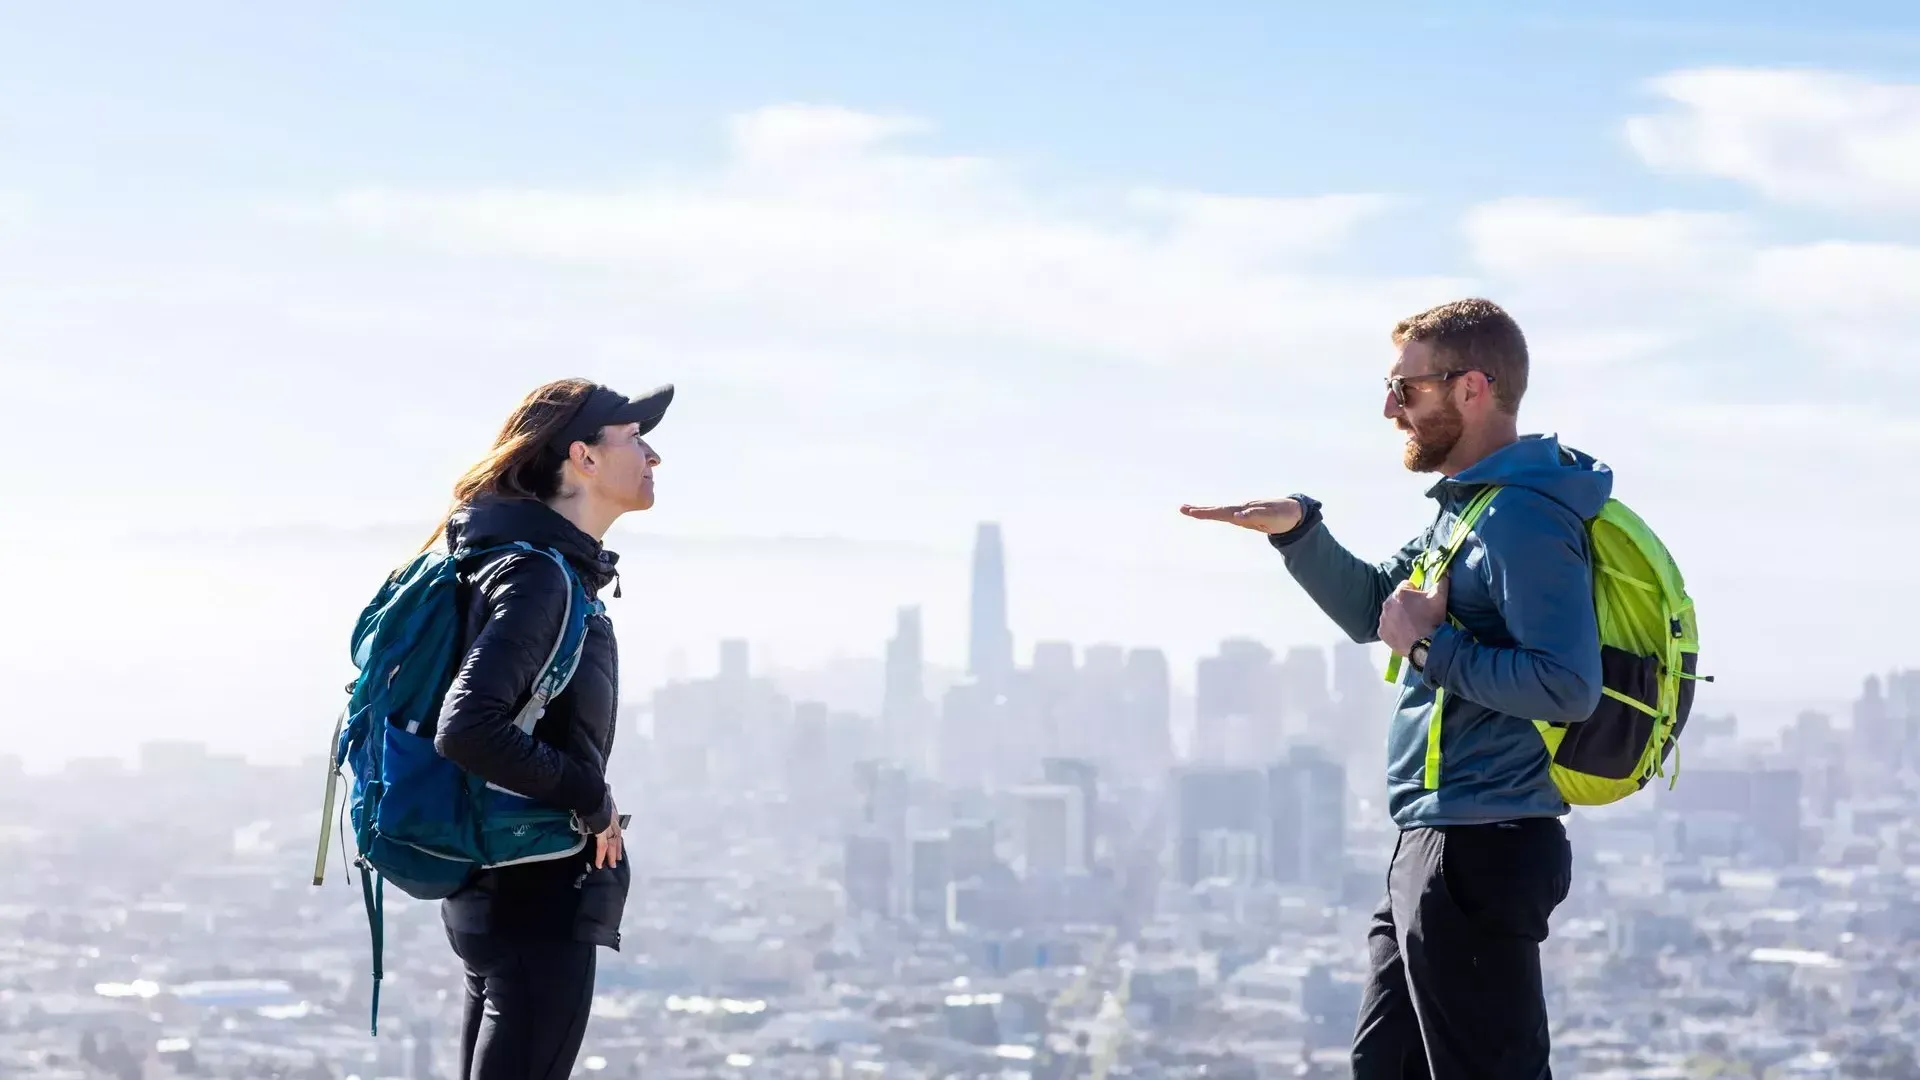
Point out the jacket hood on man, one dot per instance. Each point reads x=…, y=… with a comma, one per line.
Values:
x=1573, y=479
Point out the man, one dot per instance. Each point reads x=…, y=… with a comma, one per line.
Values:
x=1507, y=635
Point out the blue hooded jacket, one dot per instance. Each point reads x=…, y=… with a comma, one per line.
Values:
x=1522, y=588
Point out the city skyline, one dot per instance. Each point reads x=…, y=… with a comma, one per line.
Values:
x=836, y=906
x=943, y=646
x=901, y=673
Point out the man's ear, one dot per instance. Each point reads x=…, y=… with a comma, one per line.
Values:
x=1479, y=386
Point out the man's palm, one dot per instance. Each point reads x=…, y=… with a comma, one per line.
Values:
x=1269, y=516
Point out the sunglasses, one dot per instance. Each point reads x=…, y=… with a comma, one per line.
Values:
x=1397, y=384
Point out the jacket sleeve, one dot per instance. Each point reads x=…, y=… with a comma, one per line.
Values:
x=1539, y=575
x=1348, y=588
x=523, y=599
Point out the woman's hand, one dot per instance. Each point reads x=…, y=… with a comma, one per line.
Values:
x=607, y=844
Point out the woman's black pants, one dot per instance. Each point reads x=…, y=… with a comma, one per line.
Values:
x=527, y=1005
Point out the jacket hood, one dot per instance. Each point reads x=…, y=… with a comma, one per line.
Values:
x=490, y=522
x=1538, y=462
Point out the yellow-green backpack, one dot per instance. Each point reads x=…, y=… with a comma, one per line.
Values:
x=1649, y=651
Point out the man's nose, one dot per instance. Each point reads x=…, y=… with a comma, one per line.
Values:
x=1392, y=410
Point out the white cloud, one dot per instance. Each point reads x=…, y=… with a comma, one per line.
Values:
x=874, y=339
x=785, y=133
x=1256, y=230
x=1811, y=138
x=1628, y=286
x=1101, y=359
x=1850, y=426
x=1519, y=238
x=818, y=224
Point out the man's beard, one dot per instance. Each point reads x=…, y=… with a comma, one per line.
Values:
x=1429, y=443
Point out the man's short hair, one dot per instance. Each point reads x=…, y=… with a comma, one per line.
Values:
x=1474, y=334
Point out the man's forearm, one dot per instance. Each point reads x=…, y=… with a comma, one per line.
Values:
x=1348, y=588
x=1519, y=682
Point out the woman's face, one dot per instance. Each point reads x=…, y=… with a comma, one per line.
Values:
x=623, y=467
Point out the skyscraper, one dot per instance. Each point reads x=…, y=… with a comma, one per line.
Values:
x=990, y=651
x=905, y=730
x=1149, y=721
x=1746, y=812
x=733, y=661
x=1875, y=739
x=1083, y=776
x=1050, y=689
x=1357, y=687
x=1238, y=718
x=1903, y=698
x=1307, y=805
x=971, y=849
x=964, y=755
x=868, y=874
x=1052, y=830
x=1362, y=703
x=1098, y=730
x=1308, y=680
x=931, y=856
x=886, y=804
x=1211, y=800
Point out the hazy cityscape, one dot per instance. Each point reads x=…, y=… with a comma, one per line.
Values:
x=1014, y=871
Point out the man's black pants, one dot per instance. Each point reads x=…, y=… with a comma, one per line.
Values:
x=528, y=1001
x=1455, y=991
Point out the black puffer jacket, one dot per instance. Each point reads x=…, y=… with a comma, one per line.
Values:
x=512, y=606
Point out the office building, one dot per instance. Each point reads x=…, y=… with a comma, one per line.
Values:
x=1307, y=812
x=1052, y=826
x=990, y=642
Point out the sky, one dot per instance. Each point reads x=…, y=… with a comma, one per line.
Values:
x=270, y=279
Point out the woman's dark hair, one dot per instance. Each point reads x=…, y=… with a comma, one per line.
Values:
x=521, y=464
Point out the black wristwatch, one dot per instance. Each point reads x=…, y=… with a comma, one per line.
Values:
x=1417, y=656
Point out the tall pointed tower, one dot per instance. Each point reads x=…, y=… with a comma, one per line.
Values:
x=990, y=645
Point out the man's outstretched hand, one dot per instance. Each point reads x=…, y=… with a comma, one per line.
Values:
x=1270, y=517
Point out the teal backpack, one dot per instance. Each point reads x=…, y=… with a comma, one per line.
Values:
x=419, y=821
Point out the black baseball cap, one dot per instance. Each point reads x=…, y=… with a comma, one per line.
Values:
x=604, y=406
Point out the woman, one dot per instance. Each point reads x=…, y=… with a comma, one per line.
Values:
x=569, y=462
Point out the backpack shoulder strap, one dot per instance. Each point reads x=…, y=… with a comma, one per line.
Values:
x=1463, y=526
x=1433, y=564
x=556, y=671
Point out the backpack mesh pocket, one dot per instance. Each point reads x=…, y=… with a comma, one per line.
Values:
x=1612, y=742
